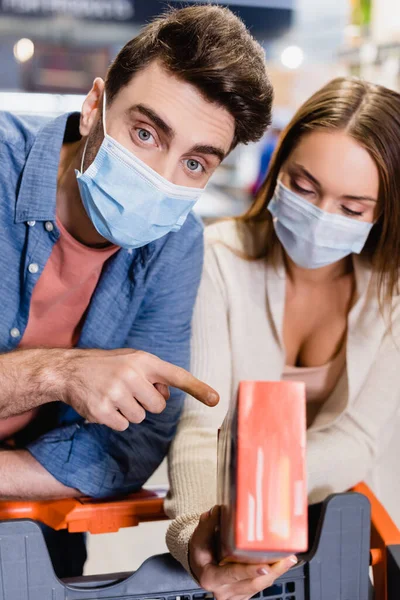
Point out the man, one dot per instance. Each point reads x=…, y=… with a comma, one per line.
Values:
x=101, y=257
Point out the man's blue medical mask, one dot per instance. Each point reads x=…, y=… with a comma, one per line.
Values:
x=130, y=204
x=312, y=237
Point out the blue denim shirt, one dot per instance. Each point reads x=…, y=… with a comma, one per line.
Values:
x=143, y=300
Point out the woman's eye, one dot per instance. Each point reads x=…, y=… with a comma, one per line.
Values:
x=194, y=165
x=351, y=213
x=144, y=135
x=300, y=189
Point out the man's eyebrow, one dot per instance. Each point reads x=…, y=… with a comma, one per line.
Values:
x=169, y=131
x=153, y=116
x=207, y=149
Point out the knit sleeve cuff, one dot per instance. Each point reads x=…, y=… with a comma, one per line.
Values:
x=178, y=537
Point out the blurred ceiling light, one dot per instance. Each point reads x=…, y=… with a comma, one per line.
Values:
x=292, y=57
x=24, y=50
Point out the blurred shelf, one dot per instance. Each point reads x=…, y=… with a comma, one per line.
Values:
x=369, y=52
x=51, y=105
x=217, y=203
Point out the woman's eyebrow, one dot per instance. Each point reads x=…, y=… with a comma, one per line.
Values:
x=306, y=173
x=351, y=197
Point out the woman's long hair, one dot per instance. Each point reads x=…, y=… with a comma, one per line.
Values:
x=370, y=114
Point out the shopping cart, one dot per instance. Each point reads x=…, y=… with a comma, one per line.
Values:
x=336, y=567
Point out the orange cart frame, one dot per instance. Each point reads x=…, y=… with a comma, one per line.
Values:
x=105, y=516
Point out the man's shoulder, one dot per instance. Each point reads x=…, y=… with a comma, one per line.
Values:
x=176, y=252
x=187, y=239
x=193, y=227
x=174, y=261
x=19, y=131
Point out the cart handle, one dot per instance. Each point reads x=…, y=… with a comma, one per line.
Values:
x=385, y=536
x=88, y=514
x=110, y=515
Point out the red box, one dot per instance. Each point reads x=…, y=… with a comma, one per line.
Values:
x=262, y=473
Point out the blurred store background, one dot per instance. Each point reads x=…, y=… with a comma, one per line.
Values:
x=51, y=50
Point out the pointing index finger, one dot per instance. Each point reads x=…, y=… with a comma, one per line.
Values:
x=185, y=381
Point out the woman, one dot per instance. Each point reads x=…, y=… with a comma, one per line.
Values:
x=302, y=287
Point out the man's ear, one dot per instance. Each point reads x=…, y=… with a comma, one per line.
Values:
x=90, y=107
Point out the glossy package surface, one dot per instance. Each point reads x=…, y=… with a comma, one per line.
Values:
x=262, y=473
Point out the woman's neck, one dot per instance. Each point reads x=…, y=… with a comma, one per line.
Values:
x=320, y=276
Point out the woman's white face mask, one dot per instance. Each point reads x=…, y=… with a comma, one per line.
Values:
x=325, y=202
x=312, y=237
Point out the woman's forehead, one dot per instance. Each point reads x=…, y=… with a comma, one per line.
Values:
x=338, y=162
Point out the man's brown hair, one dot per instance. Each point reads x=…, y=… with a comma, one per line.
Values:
x=210, y=48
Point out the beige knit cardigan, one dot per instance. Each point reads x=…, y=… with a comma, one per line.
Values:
x=237, y=335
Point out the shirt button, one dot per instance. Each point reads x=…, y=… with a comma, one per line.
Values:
x=33, y=268
x=15, y=333
x=31, y=223
x=49, y=226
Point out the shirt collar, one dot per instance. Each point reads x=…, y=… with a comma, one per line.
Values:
x=36, y=199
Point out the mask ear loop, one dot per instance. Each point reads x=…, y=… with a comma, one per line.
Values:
x=104, y=129
x=104, y=113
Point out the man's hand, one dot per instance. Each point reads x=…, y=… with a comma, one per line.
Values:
x=232, y=581
x=110, y=387
x=116, y=387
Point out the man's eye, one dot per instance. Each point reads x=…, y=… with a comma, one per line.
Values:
x=194, y=165
x=144, y=135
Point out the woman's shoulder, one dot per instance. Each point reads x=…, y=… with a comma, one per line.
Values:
x=226, y=253
x=225, y=236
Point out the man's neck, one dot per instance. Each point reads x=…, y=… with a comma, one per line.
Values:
x=70, y=209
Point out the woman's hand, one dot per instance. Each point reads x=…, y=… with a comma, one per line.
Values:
x=232, y=581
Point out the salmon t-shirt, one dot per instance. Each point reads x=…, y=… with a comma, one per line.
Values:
x=59, y=301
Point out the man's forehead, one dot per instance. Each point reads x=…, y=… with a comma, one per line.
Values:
x=180, y=105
